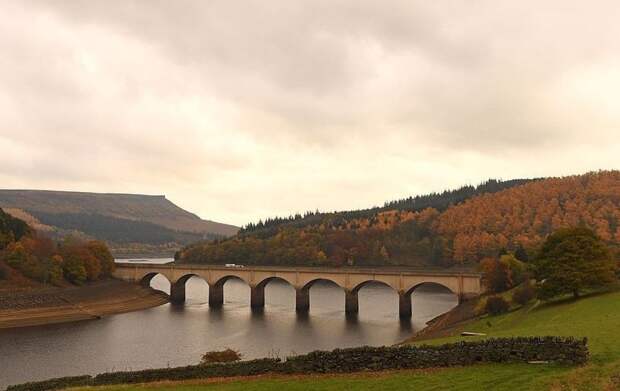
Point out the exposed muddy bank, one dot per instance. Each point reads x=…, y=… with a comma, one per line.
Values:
x=58, y=305
x=445, y=324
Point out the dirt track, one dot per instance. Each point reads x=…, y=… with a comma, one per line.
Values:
x=57, y=305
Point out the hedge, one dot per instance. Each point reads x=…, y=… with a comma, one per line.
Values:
x=569, y=351
x=504, y=350
x=241, y=368
x=54, y=384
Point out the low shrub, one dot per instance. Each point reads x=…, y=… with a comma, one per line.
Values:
x=227, y=355
x=524, y=294
x=497, y=305
x=4, y=273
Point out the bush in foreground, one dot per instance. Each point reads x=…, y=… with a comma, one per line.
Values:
x=4, y=273
x=227, y=355
x=497, y=305
x=524, y=294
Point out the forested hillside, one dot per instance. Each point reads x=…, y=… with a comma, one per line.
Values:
x=11, y=229
x=129, y=223
x=438, y=201
x=525, y=215
x=452, y=228
x=117, y=230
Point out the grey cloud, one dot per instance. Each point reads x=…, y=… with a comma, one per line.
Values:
x=301, y=60
x=219, y=93
x=300, y=50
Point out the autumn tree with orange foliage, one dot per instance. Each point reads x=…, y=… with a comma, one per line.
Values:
x=34, y=256
x=86, y=261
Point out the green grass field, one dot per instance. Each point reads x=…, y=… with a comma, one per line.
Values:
x=596, y=317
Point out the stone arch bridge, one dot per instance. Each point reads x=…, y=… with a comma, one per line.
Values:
x=464, y=284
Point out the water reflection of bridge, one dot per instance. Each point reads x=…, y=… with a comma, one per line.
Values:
x=405, y=281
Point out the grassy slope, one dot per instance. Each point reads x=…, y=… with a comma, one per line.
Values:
x=496, y=377
x=596, y=317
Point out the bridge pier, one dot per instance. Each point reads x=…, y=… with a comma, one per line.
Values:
x=404, y=305
x=302, y=300
x=177, y=292
x=216, y=295
x=351, y=305
x=257, y=296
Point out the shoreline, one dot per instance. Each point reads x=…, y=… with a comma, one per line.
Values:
x=88, y=302
x=446, y=323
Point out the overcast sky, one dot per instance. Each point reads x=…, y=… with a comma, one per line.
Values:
x=239, y=110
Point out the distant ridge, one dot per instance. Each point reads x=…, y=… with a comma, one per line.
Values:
x=152, y=219
x=156, y=209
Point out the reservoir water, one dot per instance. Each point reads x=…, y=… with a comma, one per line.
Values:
x=173, y=335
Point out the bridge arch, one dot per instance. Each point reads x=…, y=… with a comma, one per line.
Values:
x=216, y=289
x=222, y=280
x=183, y=279
x=267, y=280
x=309, y=284
x=178, y=287
x=352, y=295
x=302, y=293
x=147, y=278
x=430, y=284
x=257, y=292
x=354, y=301
x=405, y=299
x=363, y=284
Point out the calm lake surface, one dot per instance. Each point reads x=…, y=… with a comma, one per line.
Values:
x=171, y=335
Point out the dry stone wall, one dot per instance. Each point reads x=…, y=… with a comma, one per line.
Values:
x=568, y=351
